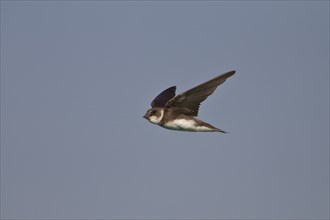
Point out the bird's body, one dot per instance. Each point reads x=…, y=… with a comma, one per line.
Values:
x=175, y=119
x=179, y=112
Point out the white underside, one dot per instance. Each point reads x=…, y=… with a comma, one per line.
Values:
x=185, y=125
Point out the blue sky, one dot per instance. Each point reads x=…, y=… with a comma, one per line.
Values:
x=77, y=77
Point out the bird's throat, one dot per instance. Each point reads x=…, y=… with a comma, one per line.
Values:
x=157, y=119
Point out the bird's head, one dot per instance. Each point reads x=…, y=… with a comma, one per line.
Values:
x=154, y=115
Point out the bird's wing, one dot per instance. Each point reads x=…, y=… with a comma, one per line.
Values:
x=192, y=98
x=161, y=100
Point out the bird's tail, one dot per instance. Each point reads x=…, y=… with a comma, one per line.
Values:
x=220, y=130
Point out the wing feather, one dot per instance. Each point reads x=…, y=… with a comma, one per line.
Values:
x=161, y=100
x=192, y=98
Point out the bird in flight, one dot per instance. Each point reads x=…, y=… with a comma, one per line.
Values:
x=179, y=112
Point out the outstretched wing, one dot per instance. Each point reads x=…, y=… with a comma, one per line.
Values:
x=192, y=98
x=161, y=100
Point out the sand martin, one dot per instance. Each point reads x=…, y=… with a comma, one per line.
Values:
x=179, y=112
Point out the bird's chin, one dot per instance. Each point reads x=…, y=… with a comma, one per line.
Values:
x=148, y=119
x=154, y=120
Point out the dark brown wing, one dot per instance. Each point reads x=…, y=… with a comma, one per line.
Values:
x=161, y=100
x=192, y=98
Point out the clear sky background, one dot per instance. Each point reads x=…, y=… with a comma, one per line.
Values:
x=77, y=77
